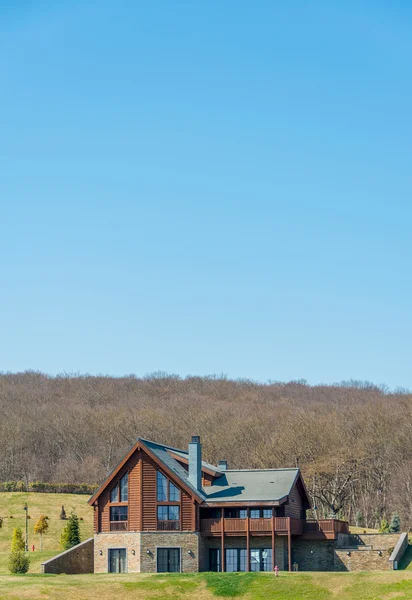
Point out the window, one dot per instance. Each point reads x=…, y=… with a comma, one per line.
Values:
x=161, y=487
x=120, y=492
x=114, y=494
x=117, y=560
x=166, y=491
x=235, y=559
x=174, y=494
x=261, y=559
x=118, y=513
x=168, y=513
x=257, y=513
x=235, y=513
x=124, y=488
x=168, y=560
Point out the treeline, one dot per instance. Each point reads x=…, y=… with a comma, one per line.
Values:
x=352, y=440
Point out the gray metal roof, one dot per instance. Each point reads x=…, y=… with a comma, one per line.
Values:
x=162, y=454
x=266, y=485
x=249, y=485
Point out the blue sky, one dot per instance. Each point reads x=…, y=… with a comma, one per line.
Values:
x=207, y=187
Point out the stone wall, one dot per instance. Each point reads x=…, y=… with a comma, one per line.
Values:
x=186, y=541
x=313, y=555
x=78, y=559
x=364, y=552
x=103, y=542
x=362, y=560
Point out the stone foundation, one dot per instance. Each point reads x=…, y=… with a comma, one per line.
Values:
x=103, y=542
x=187, y=542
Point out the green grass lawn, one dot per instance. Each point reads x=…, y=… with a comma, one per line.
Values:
x=11, y=510
x=210, y=586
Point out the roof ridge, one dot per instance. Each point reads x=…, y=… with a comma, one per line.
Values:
x=260, y=470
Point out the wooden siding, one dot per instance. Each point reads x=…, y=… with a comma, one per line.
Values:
x=142, y=498
x=187, y=508
x=149, y=519
x=207, y=479
x=294, y=506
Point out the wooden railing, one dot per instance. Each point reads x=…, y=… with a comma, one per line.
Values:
x=260, y=524
x=235, y=525
x=118, y=526
x=168, y=525
x=326, y=526
x=297, y=526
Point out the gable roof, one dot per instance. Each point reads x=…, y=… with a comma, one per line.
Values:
x=242, y=485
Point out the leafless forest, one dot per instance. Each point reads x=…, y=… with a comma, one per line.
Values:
x=352, y=441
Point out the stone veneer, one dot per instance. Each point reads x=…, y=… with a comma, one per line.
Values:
x=103, y=542
x=364, y=552
x=78, y=559
x=188, y=543
x=141, y=550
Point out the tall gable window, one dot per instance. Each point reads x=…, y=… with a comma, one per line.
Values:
x=119, y=494
x=166, y=491
x=168, y=504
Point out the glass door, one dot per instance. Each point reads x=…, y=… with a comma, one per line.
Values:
x=117, y=560
x=214, y=559
x=168, y=560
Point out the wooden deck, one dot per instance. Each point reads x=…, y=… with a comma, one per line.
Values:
x=324, y=529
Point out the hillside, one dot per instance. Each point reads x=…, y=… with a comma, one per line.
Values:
x=11, y=510
x=352, y=441
x=211, y=586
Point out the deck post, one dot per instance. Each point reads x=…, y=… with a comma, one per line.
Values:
x=289, y=547
x=222, y=552
x=247, y=542
x=273, y=539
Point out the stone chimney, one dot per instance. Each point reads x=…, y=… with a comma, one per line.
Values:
x=195, y=462
x=222, y=465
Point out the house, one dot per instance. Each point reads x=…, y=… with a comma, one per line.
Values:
x=166, y=510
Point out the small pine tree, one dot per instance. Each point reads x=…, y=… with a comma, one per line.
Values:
x=359, y=519
x=41, y=527
x=71, y=533
x=19, y=562
x=63, y=515
x=384, y=526
x=17, y=542
x=395, y=524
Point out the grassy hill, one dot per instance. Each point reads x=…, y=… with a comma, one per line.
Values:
x=11, y=510
x=210, y=586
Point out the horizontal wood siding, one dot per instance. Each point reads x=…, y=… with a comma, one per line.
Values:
x=142, y=503
x=187, y=512
x=104, y=516
x=294, y=508
x=207, y=479
x=149, y=493
x=132, y=466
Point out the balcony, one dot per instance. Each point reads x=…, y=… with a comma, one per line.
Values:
x=325, y=529
x=168, y=526
x=118, y=525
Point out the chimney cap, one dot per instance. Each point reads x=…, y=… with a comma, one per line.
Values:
x=195, y=439
x=222, y=465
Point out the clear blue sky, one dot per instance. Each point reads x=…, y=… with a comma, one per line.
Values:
x=207, y=187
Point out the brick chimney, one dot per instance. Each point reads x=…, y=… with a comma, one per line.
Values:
x=195, y=462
